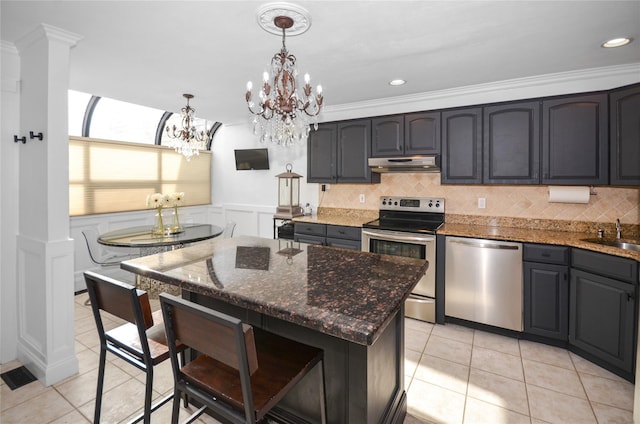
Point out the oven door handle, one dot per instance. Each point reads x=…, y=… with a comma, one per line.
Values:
x=403, y=237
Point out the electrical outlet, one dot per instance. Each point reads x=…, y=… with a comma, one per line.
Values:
x=482, y=203
x=361, y=198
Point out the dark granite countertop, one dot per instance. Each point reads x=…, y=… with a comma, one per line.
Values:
x=528, y=235
x=344, y=293
x=556, y=232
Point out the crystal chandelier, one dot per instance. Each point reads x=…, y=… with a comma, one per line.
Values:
x=188, y=140
x=283, y=114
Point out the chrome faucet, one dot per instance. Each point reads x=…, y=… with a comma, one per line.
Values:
x=618, y=229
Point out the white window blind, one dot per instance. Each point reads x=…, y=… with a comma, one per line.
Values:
x=110, y=176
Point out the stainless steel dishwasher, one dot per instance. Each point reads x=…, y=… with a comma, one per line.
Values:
x=483, y=281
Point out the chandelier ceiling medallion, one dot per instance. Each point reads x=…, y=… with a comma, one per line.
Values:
x=283, y=114
x=188, y=140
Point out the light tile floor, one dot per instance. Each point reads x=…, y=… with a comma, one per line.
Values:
x=457, y=375
x=454, y=375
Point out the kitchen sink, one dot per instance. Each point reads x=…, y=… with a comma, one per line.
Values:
x=622, y=244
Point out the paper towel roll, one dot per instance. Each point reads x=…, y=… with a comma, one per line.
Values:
x=558, y=194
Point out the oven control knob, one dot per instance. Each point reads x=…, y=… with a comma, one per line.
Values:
x=395, y=203
x=430, y=204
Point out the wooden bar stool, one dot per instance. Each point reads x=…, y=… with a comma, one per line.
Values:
x=242, y=372
x=140, y=342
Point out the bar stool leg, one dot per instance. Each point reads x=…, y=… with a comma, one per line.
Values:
x=101, y=368
x=323, y=403
x=147, y=396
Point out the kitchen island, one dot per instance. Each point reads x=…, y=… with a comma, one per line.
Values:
x=348, y=303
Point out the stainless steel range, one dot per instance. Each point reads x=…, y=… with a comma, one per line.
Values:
x=406, y=226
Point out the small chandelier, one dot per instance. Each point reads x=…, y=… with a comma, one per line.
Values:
x=283, y=114
x=187, y=141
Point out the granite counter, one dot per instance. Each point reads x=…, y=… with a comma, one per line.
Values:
x=348, y=303
x=557, y=232
x=530, y=235
x=347, y=294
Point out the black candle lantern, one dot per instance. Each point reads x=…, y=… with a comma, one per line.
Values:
x=289, y=194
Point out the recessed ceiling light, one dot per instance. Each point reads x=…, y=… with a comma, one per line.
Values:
x=617, y=42
x=397, y=82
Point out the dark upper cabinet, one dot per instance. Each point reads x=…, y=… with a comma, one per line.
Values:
x=406, y=135
x=624, y=127
x=422, y=133
x=321, y=154
x=388, y=136
x=462, y=146
x=354, y=148
x=575, y=140
x=337, y=153
x=511, y=144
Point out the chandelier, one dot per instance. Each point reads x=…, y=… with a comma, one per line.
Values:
x=188, y=140
x=283, y=114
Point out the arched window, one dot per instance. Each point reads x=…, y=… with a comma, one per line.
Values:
x=111, y=169
x=122, y=121
x=78, y=102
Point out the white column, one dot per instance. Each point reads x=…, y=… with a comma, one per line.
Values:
x=10, y=126
x=44, y=249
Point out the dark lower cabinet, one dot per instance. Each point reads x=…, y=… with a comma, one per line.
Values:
x=546, y=300
x=344, y=237
x=546, y=290
x=624, y=138
x=602, y=310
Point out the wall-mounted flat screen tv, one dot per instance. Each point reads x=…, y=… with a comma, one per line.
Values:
x=247, y=159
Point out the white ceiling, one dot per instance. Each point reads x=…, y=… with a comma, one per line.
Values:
x=150, y=52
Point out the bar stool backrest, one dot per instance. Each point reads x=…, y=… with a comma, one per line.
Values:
x=217, y=335
x=119, y=299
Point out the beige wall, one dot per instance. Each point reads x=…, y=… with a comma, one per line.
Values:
x=504, y=201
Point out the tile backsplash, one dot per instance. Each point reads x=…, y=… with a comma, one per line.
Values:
x=607, y=205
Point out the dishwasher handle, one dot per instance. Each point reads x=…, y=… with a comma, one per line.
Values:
x=484, y=244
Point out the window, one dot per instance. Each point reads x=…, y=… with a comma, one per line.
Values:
x=77, y=107
x=122, y=121
x=110, y=176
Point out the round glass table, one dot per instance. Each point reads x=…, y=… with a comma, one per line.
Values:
x=142, y=237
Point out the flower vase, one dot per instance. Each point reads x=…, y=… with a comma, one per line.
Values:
x=175, y=227
x=159, y=227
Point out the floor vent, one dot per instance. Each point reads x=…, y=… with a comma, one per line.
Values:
x=17, y=377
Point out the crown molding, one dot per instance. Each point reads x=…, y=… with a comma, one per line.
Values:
x=50, y=33
x=8, y=47
x=592, y=79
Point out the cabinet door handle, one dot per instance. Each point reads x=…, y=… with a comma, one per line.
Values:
x=630, y=296
x=566, y=276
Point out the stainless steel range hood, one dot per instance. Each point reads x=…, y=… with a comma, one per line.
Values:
x=419, y=163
